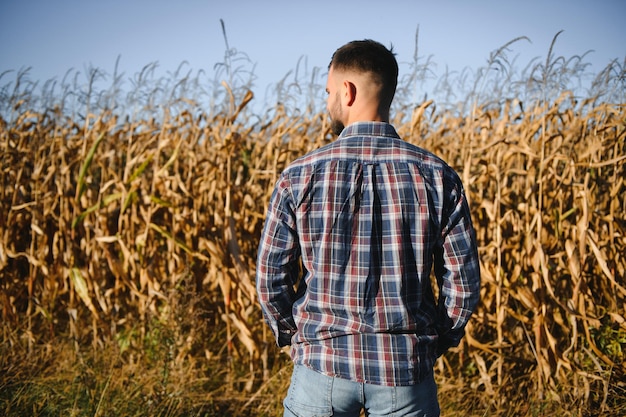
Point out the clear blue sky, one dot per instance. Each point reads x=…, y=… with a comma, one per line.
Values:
x=53, y=37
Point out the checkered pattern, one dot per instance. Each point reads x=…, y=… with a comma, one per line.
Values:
x=353, y=231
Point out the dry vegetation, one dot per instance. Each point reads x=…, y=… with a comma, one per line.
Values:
x=127, y=258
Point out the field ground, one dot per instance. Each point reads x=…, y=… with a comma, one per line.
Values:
x=61, y=382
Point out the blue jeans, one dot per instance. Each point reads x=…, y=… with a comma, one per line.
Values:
x=312, y=394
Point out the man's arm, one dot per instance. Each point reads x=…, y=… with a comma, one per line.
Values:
x=457, y=269
x=278, y=265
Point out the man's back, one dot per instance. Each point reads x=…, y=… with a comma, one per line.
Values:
x=367, y=215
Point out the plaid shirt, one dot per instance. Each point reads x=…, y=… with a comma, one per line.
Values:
x=352, y=233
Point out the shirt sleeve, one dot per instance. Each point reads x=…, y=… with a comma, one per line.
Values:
x=457, y=269
x=278, y=264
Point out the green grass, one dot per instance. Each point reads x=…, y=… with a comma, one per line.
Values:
x=58, y=380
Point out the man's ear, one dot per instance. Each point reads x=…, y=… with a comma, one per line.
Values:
x=349, y=91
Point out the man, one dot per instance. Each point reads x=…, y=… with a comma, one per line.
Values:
x=353, y=231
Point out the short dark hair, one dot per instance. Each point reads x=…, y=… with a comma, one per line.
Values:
x=373, y=57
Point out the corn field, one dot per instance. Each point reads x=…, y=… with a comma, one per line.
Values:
x=127, y=258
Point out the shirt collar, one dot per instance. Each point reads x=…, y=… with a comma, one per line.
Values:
x=369, y=129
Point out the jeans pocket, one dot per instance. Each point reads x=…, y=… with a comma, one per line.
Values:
x=309, y=394
x=306, y=410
